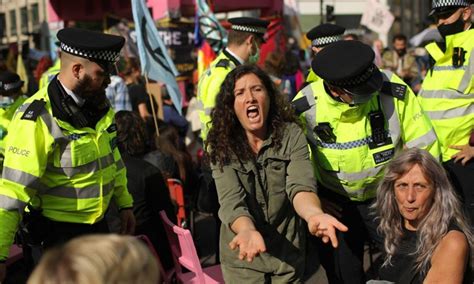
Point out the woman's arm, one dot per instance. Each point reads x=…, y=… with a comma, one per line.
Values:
x=247, y=239
x=449, y=259
x=320, y=224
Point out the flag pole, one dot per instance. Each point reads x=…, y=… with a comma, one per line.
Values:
x=155, y=120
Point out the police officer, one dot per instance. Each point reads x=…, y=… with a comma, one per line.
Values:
x=10, y=99
x=243, y=46
x=356, y=118
x=320, y=36
x=61, y=157
x=447, y=93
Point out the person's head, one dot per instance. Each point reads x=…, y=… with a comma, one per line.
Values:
x=399, y=42
x=87, y=58
x=248, y=104
x=451, y=16
x=10, y=86
x=274, y=64
x=348, y=71
x=350, y=36
x=246, y=36
x=132, y=71
x=324, y=34
x=415, y=194
x=131, y=133
x=378, y=45
x=97, y=259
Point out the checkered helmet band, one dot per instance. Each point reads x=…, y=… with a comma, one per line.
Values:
x=103, y=55
x=322, y=41
x=249, y=29
x=10, y=86
x=355, y=80
x=449, y=3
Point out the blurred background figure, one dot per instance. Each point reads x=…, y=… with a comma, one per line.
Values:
x=399, y=61
x=98, y=259
x=10, y=99
x=379, y=50
x=427, y=236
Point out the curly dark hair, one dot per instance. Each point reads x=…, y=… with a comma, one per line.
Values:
x=131, y=133
x=226, y=139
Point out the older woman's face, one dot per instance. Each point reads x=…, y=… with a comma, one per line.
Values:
x=251, y=104
x=414, y=195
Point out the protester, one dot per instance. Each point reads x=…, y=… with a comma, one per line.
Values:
x=400, y=61
x=446, y=93
x=117, y=93
x=427, y=236
x=245, y=38
x=98, y=259
x=145, y=183
x=62, y=161
x=264, y=181
x=357, y=117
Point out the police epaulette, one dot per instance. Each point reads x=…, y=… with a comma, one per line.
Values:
x=394, y=89
x=300, y=105
x=223, y=63
x=33, y=110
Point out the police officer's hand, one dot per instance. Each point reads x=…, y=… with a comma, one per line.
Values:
x=465, y=154
x=324, y=226
x=127, y=226
x=250, y=243
x=3, y=272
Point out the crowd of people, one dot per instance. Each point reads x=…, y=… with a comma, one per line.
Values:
x=369, y=146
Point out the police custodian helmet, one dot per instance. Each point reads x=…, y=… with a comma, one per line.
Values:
x=349, y=65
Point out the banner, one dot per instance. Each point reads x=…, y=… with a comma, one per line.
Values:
x=21, y=71
x=377, y=17
x=155, y=62
x=208, y=28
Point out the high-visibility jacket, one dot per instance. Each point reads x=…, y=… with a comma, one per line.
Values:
x=6, y=115
x=312, y=77
x=49, y=74
x=209, y=86
x=447, y=93
x=351, y=165
x=72, y=174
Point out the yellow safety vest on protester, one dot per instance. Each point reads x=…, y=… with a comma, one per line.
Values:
x=209, y=86
x=447, y=94
x=346, y=161
x=6, y=115
x=49, y=74
x=72, y=174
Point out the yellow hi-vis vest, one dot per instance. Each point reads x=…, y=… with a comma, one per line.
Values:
x=49, y=74
x=447, y=93
x=350, y=166
x=208, y=88
x=312, y=77
x=72, y=174
x=6, y=115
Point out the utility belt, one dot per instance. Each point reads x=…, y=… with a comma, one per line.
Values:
x=37, y=230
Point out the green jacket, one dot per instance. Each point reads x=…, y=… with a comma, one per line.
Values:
x=268, y=202
x=74, y=173
x=6, y=115
x=352, y=165
x=209, y=86
x=447, y=93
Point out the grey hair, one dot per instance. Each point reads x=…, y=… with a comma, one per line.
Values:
x=446, y=208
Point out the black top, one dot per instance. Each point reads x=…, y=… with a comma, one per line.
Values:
x=139, y=95
x=403, y=262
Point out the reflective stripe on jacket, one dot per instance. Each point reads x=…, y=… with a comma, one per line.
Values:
x=348, y=166
x=447, y=93
x=208, y=88
x=72, y=174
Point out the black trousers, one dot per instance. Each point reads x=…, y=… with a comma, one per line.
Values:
x=462, y=178
x=345, y=263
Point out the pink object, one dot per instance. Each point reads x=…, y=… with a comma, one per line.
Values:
x=185, y=255
x=175, y=186
x=16, y=253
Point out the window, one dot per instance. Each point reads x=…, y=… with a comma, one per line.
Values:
x=13, y=23
x=34, y=14
x=24, y=20
x=2, y=24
